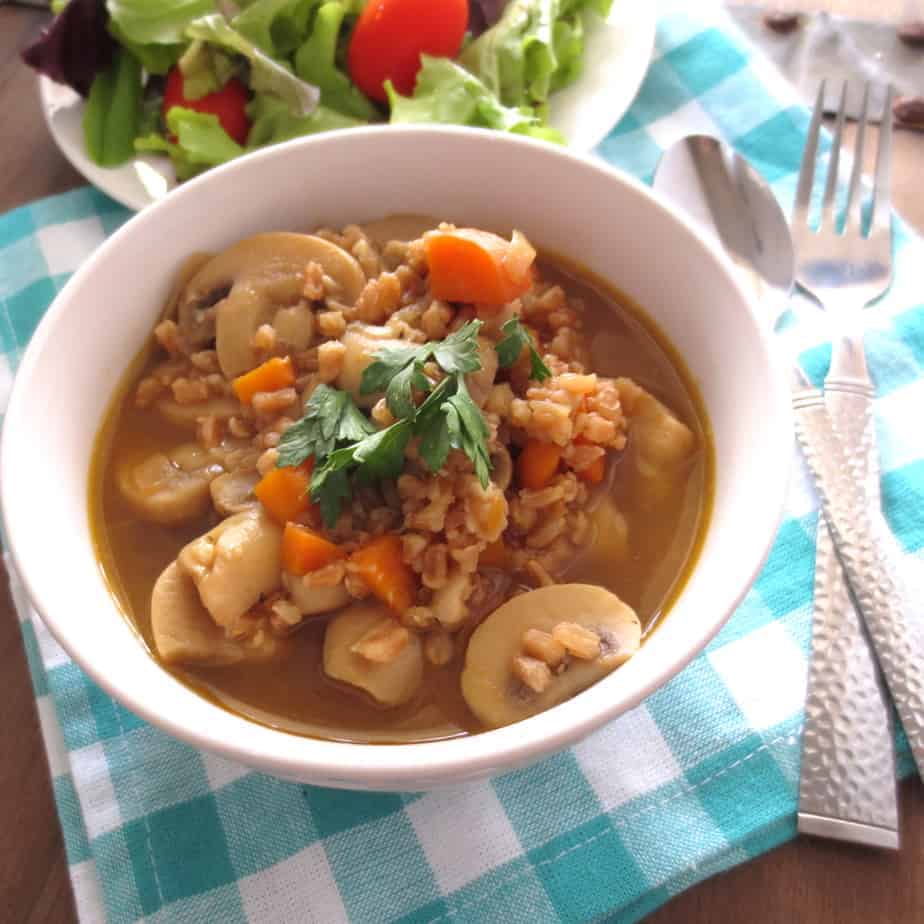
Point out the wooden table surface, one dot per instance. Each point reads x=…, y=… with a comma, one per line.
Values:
x=806, y=880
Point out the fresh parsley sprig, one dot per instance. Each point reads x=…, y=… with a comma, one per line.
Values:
x=511, y=345
x=345, y=444
x=330, y=418
x=399, y=370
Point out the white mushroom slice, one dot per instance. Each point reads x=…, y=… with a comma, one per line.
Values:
x=312, y=600
x=169, y=488
x=184, y=633
x=232, y=492
x=391, y=683
x=362, y=342
x=611, y=533
x=294, y=326
x=660, y=444
x=253, y=278
x=489, y=684
x=479, y=383
x=188, y=416
x=234, y=565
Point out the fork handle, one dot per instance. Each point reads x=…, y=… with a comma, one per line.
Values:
x=880, y=582
x=848, y=370
x=847, y=785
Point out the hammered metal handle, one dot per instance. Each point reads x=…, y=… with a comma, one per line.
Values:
x=847, y=784
x=893, y=616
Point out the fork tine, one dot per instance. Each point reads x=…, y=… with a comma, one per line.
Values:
x=854, y=205
x=882, y=214
x=807, y=170
x=827, y=208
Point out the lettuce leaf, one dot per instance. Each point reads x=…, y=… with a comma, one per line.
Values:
x=534, y=48
x=272, y=122
x=316, y=62
x=446, y=92
x=75, y=47
x=113, y=111
x=266, y=74
x=276, y=26
x=200, y=143
x=155, y=22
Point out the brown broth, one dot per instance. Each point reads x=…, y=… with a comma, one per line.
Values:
x=292, y=693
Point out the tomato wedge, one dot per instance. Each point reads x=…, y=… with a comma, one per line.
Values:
x=390, y=36
x=229, y=104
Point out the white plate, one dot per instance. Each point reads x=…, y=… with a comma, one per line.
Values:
x=616, y=59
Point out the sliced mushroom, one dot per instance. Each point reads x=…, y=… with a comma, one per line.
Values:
x=294, y=326
x=611, y=533
x=184, y=633
x=234, y=565
x=362, y=342
x=169, y=488
x=312, y=600
x=479, y=383
x=232, y=492
x=489, y=684
x=389, y=684
x=254, y=278
x=221, y=407
x=660, y=447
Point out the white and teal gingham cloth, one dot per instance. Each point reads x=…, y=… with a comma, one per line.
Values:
x=699, y=778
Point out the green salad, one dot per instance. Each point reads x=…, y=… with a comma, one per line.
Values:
x=205, y=81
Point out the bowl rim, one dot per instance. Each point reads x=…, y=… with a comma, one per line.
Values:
x=390, y=766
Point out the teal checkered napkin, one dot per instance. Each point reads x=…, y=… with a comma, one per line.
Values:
x=699, y=778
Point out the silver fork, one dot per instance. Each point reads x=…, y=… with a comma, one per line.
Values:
x=847, y=785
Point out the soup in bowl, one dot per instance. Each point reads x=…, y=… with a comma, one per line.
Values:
x=407, y=483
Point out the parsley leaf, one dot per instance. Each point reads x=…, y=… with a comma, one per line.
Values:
x=377, y=455
x=399, y=394
x=345, y=444
x=458, y=353
x=398, y=370
x=509, y=348
x=386, y=363
x=468, y=431
x=330, y=417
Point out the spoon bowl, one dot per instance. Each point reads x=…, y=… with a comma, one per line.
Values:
x=734, y=205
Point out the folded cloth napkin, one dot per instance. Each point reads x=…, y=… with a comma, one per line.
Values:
x=699, y=778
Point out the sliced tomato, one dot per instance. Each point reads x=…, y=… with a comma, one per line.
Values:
x=391, y=35
x=229, y=104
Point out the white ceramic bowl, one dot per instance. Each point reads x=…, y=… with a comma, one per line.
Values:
x=576, y=207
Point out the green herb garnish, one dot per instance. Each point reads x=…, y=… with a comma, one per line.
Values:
x=330, y=418
x=509, y=348
x=399, y=370
x=345, y=444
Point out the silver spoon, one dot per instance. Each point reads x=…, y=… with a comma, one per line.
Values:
x=847, y=784
x=730, y=201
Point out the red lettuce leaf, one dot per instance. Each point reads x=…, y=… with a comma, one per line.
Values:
x=482, y=14
x=75, y=47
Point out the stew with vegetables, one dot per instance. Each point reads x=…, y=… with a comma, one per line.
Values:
x=398, y=482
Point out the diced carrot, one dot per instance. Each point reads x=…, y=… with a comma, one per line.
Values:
x=468, y=265
x=494, y=555
x=303, y=550
x=593, y=473
x=381, y=566
x=537, y=464
x=284, y=491
x=272, y=375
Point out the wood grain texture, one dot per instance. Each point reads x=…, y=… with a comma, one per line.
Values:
x=806, y=880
